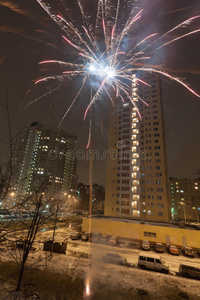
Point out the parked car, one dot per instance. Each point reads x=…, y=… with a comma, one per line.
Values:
x=187, y=251
x=145, y=245
x=152, y=262
x=115, y=259
x=95, y=237
x=159, y=248
x=113, y=241
x=198, y=252
x=189, y=271
x=76, y=235
x=173, y=250
x=86, y=236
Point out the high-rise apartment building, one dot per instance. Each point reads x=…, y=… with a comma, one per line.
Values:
x=136, y=179
x=185, y=199
x=44, y=152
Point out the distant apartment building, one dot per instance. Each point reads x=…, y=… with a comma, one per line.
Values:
x=44, y=152
x=185, y=199
x=136, y=178
x=98, y=196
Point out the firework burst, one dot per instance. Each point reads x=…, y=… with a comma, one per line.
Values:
x=108, y=56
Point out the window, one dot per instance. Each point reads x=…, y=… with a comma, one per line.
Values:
x=125, y=195
x=158, y=174
x=159, y=197
x=142, y=258
x=125, y=174
x=150, y=259
x=125, y=203
x=125, y=211
x=117, y=209
x=160, y=213
x=158, y=160
x=125, y=168
x=158, y=261
x=125, y=188
x=126, y=131
x=126, y=120
x=150, y=234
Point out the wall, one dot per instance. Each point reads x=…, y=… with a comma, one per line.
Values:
x=136, y=231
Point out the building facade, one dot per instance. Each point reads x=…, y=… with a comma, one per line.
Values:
x=43, y=152
x=185, y=199
x=136, y=179
x=98, y=197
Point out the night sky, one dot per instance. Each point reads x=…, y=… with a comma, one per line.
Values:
x=28, y=35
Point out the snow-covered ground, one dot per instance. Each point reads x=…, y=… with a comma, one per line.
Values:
x=157, y=285
x=99, y=249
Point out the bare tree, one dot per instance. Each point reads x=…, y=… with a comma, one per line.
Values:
x=22, y=229
x=39, y=217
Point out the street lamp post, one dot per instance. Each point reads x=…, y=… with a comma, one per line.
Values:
x=184, y=210
x=196, y=214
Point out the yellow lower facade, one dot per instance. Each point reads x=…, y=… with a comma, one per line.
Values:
x=138, y=232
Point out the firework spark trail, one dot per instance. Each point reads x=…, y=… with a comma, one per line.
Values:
x=59, y=77
x=178, y=38
x=74, y=100
x=94, y=97
x=142, y=100
x=110, y=68
x=126, y=28
x=60, y=62
x=186, y=22
x=42, y=96
x=153, y=70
